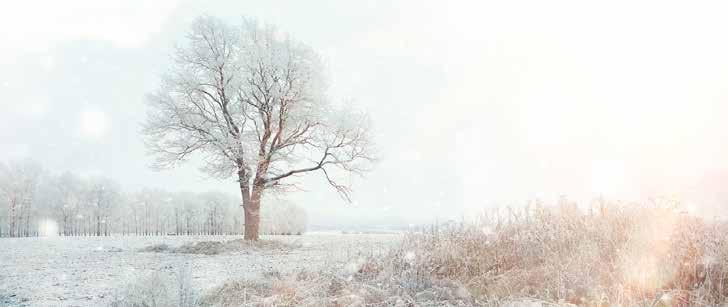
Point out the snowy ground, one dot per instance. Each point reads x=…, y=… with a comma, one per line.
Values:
x=60, y=271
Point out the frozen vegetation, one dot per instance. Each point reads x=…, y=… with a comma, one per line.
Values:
x=614, y=254
x=93, y=271
x=611, y=254
x=36, y=202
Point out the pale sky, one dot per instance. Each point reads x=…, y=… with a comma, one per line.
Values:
x=475, y=105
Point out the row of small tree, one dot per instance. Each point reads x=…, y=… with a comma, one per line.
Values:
x=34, y=202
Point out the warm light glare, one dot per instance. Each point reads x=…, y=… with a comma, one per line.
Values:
x=48, y=228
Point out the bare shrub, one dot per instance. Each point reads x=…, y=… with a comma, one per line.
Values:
x=157, y=290
x=153, y=290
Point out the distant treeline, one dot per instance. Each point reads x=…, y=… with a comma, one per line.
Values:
x=34, y=202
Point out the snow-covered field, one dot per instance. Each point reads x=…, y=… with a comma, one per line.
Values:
x=90, y=271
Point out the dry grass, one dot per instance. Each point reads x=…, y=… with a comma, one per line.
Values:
x=615, y=254
x=612, y=255
x=329, y=289
x=157, y=290
x=220, y=247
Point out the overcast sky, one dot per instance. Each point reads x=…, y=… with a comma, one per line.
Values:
x=475, y=105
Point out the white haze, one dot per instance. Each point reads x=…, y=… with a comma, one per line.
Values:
x=475, y=105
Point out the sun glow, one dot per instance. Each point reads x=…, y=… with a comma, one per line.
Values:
x=48, y=228
x=93, y=123
x=648, y=262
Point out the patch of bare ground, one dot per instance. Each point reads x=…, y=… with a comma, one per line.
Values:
x=221, y=247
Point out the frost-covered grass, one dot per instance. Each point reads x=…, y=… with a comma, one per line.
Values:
x=220, y=247
x=95, y=271
x=613, y=255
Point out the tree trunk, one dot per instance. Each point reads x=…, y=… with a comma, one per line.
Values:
x=251, y=204
x=12, y=217
x=252, y=215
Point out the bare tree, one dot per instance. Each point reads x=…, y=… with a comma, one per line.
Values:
x=282, y=217
x=213, y=204
x=98, y=206
x=66, y=198
x=253, y=102
x=18, y=184
x=147, y=202
x=102, y=196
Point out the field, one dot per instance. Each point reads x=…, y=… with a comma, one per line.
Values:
x=85, y=271
x=613, y=254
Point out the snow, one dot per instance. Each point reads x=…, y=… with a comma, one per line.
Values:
x=73, y=271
